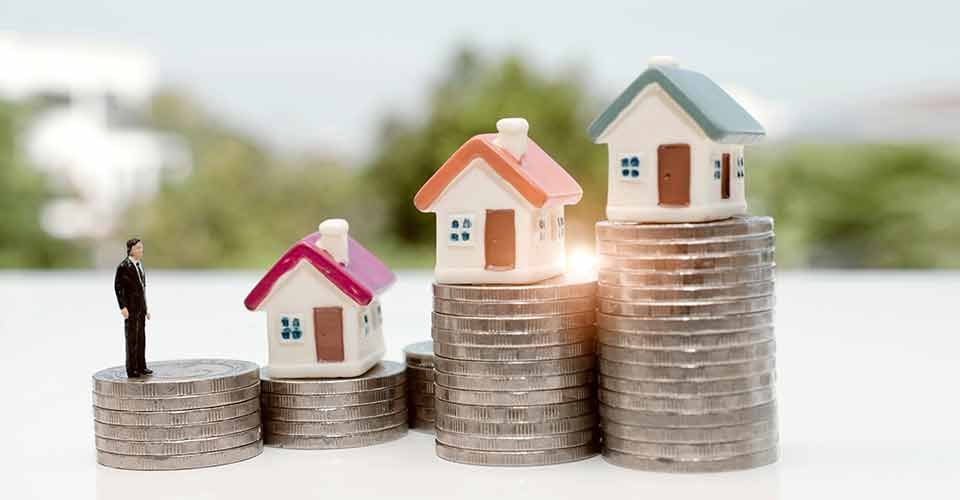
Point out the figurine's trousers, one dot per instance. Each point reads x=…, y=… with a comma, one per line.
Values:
x=136, y=342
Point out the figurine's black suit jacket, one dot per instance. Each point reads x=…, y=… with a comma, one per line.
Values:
x=131, y=293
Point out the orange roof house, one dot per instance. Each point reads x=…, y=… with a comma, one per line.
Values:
x=499, y=202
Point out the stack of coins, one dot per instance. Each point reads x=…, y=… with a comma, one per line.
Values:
x=514, y=375
x=686, y=345
x=333, y=413
x=420, y=393
x=186, y=415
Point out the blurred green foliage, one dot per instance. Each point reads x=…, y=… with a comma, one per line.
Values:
x=866, y=205
x=23, y=193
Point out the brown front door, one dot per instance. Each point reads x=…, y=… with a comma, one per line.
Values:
x=328, y=333
x=673, y=174
x=500, y=240
x=725, y=177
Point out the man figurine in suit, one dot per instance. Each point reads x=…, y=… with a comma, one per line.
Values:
x=130, y=285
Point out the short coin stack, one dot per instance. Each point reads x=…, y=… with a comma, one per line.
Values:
x=515, y=372
x=686, y=344
x=332, y=413
x=420, y=400
x=188, y=414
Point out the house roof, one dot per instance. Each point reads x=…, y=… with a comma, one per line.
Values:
x=361, y=279
x=537, y=177
x=718, y=114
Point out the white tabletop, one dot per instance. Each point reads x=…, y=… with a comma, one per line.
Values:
x=867, y=394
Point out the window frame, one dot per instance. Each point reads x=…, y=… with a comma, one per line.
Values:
x=626, y=160
x=543, y=226
x=366, y=324
x=466, y=222
x=291, y=317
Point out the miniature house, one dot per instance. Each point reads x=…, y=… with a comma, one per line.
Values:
x=323, y=313
x=499, y=203
x=675, y=144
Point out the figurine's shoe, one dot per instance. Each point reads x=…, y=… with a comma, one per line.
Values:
x=146, y=371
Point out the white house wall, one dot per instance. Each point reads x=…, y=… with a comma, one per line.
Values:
x=297, y=293
x=651, y=120
x=475, y=190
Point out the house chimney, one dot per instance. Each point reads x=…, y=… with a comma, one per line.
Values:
x=512, y=136
x=663, y=62
x=333, y=239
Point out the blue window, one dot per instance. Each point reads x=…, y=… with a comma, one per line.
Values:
x=717, y=169
x=741, y=173
x=291, y=329
x=365, y=323
x=461, y=229
x=630, y=167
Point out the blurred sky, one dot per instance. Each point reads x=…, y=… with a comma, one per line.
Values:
x=319, y=74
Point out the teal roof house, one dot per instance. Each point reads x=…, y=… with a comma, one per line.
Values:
x=675, y=144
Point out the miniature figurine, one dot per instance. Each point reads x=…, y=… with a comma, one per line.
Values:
x=321, y=297
x=130, y=286
x=675, y=144
x=499, y=202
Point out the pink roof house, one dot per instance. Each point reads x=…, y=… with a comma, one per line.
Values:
x=323, y=314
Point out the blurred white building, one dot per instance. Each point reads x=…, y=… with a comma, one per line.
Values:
x=90, y=136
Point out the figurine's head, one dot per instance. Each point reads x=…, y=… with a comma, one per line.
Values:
x=134, y=248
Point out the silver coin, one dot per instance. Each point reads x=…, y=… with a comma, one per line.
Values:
x=682, y=295
x=384, y=374
x=515, y=458
x=419, y=387
x=514, y=383
x=741, y=462
x=559, y=288
x=690, y=451
x=332, y=400
x=680, y=389
x=515, y=368
x=703, y=404
x=336, y=442
x=507, y=354
x=177, y=402
x=419, y=354
x=559, y=426
x=174, y=378
x=533, y=413
x=685, y=326
x=666, y=248
x=525, y=325
x=694, y=342
x=684, y=278
x=186, y=447
x=514, y=309
x=420, y=399
x=686, y=373
x=685, y=358
x=513, y=339
x=524, y=443
x=177, y=433
x=179, y=462
x=419, y=373
x=339, y=414
x=738, y=225
x=722, y=434
x=342, y=427
x=714, y=261
x=690, y=309
x=515, y=398
x=176, y=418
x=667, y=419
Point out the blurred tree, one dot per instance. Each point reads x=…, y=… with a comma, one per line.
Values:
x=472, y=95
x=241, y=207
x=871, y=205
x=23, y=194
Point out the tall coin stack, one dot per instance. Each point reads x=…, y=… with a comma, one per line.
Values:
x=186, y=415
x=686, y=344
x=515, y=372
x=333, y=413
x=420, y=400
